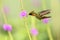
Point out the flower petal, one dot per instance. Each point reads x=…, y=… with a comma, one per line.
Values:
x=46, y=20
x=23, y=14
x=7, y=27
x=34, y=31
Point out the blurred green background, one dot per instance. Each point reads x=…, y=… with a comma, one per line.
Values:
x=19, y=31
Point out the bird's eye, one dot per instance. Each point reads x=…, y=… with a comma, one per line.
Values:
x=30, y=13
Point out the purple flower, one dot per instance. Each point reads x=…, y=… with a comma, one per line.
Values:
x=34, y=31
x=6, y=9
x=46, y=20
x=23, y=14
x=7, y=27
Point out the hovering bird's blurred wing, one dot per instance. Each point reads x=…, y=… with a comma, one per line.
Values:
x=45, y=17
x=44, y=12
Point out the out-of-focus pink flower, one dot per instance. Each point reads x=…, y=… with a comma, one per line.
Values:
x=23, y=14
x=46, y=20
x=6, y=9
x=7, y=27
x=34, y=31
x=36, y=3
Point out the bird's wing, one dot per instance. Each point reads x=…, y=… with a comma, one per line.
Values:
x=45, y=17
x=44, y=12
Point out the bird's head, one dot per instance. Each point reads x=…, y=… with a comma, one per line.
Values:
x=32, y=13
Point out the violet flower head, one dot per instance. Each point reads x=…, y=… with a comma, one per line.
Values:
x=6, y=9
x=34, y=31
x=7, y=27
x=46, y=20
x=23, y=14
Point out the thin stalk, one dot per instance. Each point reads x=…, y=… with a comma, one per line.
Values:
x=26, y=26
x=10, y=36
x=21, y=5
x=48, y=28
x=33, y=25
x=49, y=32
x=5, y=20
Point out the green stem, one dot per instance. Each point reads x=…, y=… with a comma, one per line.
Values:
x=10, y=36
x=49, y=32
x=33, y=25
x=21, y=4
x=5, y=20
x=48, y=28
x=26, y=26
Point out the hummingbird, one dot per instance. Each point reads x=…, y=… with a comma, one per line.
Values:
x=41, y=14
